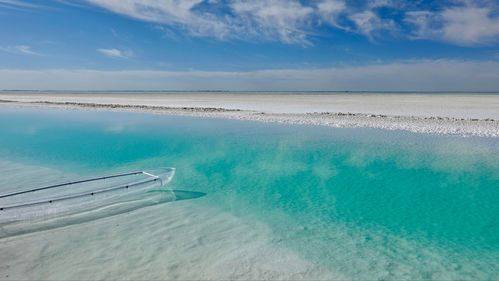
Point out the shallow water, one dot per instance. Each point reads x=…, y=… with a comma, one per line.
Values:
x=282, y=201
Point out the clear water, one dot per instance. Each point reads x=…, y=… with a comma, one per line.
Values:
x=365, y=203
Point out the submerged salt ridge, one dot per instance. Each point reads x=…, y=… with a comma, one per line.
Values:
x=283, y=202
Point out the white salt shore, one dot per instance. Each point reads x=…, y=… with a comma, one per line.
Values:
x=458, y=114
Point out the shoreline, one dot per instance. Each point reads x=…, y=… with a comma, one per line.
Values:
x=487, y=127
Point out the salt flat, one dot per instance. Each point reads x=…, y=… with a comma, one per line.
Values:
x=443, y=105
x=461, y=114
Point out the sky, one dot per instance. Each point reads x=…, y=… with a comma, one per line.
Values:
x=256, y=45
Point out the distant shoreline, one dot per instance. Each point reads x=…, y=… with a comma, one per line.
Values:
x=298, y=92
x=466, y=115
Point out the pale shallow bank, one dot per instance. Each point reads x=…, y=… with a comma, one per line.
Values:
x=185, y=240
x=459, y=114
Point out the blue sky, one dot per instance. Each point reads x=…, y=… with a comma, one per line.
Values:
x=249, y=45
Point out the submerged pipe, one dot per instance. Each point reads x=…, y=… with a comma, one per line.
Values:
x=71, y=183
x=17, y=206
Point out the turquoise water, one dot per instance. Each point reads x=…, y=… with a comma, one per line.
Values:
x=368, y=203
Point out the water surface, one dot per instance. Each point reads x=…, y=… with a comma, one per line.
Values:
x=353, y=203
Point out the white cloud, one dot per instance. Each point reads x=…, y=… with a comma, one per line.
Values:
x=286, y=20
x=380, y=3
x=425, y=23
x=470, y=25
x=17, y=4
x=365, y=21
x=331, y=7
x=463, y=25
x=330, y=11
x=368, y=23
x=181, y=13
x=440, y=75
x=115, y=53
x=462, y=22
x=19, y=50
x=282, y=20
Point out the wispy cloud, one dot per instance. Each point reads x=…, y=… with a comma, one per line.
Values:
x=425, y=75
x=17, y=4
x=463, y=25
x=115, y=53
x=183, y=14
x=331, y=10
x=288, y=21
x=461, y=22
x=19, y=50
x=369, y=23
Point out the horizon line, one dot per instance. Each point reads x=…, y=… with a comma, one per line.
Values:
x=244, y=91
